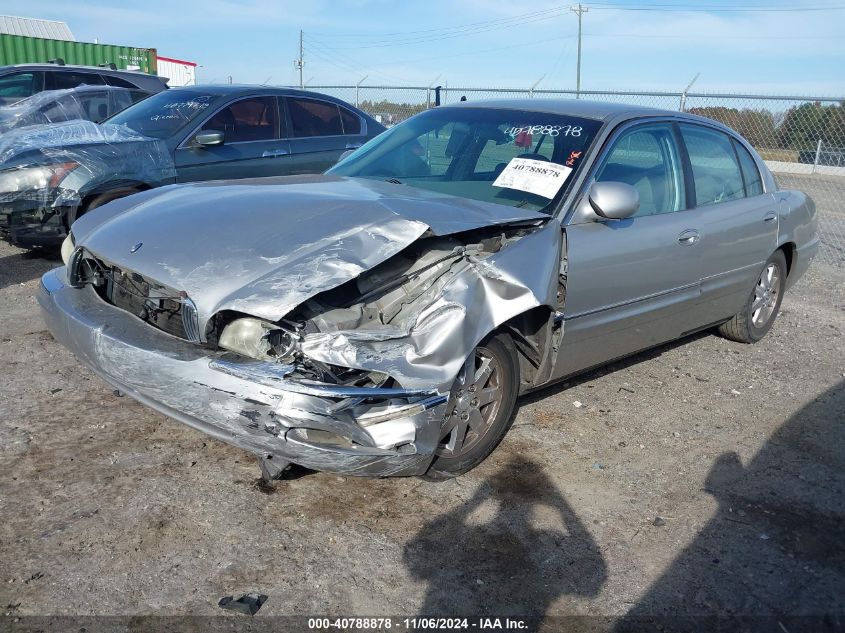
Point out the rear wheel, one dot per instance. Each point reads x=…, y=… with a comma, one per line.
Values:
x=758, y=315
x=480, y=408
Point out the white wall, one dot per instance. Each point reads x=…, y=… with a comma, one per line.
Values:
x=179, y=74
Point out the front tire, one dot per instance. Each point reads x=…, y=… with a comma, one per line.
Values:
x=98, y=201
x=480, y=408
x=760, y=310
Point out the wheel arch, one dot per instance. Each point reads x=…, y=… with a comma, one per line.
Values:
x=536, y=336
x=110, y=187
x=790, y=250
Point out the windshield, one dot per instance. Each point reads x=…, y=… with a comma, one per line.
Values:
x=511, y=157
x=165, y=113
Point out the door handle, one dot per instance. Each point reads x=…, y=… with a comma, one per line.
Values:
x=273, y=153
x=770, y=217
x=690, y=236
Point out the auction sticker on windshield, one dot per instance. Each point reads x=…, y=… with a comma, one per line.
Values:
x=534, y=176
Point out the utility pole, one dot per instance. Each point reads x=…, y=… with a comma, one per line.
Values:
x=300, y=63
x=579, y=10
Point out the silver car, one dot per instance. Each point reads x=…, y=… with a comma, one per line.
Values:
x=383, y=318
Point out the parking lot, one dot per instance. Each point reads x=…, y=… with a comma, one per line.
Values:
x=705, y=477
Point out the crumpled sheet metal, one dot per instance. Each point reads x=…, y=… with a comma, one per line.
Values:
x=58, y=106
x=300, y=236
x=174, y=377
x=103, y=153
x=432, y=349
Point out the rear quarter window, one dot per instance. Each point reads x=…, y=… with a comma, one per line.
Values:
x=351, y=121
x=750, y=171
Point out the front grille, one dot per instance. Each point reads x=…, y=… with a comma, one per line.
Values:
x=151, y=302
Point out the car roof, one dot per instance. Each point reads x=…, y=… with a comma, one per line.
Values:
x=598, y=110
x=60, y=67
x=234, y=89
x=226, y=90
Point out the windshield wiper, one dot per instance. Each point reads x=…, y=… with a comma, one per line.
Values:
x=394, y=181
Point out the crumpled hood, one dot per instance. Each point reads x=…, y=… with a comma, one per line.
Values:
x=264, y=246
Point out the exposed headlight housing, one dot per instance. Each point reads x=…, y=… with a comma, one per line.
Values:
x=258, y=339
x=67, y=247
x=34, y=178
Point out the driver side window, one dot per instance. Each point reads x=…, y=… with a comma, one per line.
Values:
x=647, y=158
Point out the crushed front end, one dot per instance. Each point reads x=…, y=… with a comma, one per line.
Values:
x=261, y=406
x=354, y=376
x=33, y=207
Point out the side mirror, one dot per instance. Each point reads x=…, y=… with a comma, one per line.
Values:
x=614, y=200
x=209, y=138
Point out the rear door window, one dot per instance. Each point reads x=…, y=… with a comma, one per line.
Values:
x=310, y=117
x=715, y=168
x=251, y=119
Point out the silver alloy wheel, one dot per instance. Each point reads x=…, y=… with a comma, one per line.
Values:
x=473, y=406
x=765, y=295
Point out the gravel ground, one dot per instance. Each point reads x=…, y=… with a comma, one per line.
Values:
x=704, y=477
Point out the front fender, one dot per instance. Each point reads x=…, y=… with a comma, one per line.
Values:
x=430, y=351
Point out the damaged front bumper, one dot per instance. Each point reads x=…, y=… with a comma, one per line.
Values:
x=34, y=219
x=254, y=405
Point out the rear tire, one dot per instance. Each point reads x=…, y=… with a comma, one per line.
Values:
x=760, y=310
x=480, y=408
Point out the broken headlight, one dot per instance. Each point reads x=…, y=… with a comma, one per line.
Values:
x=259, y=339
x=67, y=248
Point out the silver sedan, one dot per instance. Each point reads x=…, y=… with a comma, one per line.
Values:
x=383, y=318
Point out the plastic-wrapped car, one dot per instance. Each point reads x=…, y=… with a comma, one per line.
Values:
x=51, y=175
x=85, y=103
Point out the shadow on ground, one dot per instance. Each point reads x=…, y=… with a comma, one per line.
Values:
x=776, y=546
x=487, y=557
x=26, y=266
x=603, y=370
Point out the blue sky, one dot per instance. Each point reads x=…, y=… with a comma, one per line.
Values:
x=798, y=48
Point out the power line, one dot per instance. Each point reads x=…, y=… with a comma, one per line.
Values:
x=712, y=8
x=444, y=36
x=448, y=28
x=480, y=51
x=424, y=36
x=716, y=36
x=343, y=61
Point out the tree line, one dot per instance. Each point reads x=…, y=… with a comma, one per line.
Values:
x=799, y=128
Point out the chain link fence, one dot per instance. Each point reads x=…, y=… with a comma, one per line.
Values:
x=802, y=139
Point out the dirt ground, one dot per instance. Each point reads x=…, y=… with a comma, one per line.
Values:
x=702, y=478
